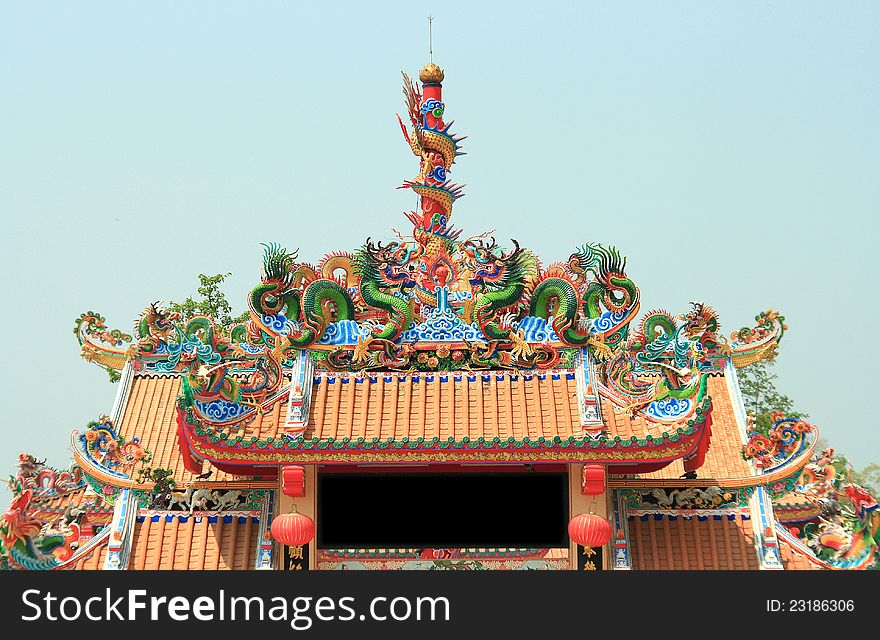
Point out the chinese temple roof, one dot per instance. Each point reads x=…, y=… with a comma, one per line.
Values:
x=431, y=348
x=722, y=541
x=433, y=345
x=184, y=541
x=434, y=348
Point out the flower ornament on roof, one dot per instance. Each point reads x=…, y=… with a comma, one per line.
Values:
x=787, y=439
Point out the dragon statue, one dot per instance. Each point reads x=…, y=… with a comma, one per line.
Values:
x=842, y=522
x=109, y=449
x=845, y=533
x=787, y=438
x=662, y=361
x=436, y=148
x=154, y=327
x=35, y=476
x=109, y=348
x=701, y=324
x=575, y=303
x=383, y=284
x=309, y=302
x=502, y=279
x=31, y=542
x=761, y=342
x=209, y=358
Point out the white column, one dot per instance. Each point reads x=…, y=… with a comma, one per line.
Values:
x=300, y=399
x=121, y=530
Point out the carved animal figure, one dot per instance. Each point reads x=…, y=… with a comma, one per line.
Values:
x=182, y=501
x=200, y=499
x=71, y=515
x=573, y=306
x=229, y=499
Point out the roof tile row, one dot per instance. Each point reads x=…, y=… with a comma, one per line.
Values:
x=692, y=543
x=194, y=543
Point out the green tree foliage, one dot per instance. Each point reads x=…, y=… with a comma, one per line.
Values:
x=212, y=303
x=113, y=374
x=761, y=397
x=758, y=385
x=869, y=478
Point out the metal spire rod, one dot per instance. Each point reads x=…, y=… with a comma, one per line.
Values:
x=430, y=39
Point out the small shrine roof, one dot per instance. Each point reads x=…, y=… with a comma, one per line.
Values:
x=182, y=541
x=723, y=541
x=82, y=497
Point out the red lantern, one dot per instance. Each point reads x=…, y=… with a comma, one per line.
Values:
x=593, y=480
x=589, y=530
x=293, y=529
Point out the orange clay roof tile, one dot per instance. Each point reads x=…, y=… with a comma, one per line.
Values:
x=692, y=543
x=150, y=414
x=794, y=559
x=724, y=457
x=456, y=405
x=181, y=542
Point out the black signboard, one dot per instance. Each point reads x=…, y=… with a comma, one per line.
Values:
x=296, y=558
x=589, y=558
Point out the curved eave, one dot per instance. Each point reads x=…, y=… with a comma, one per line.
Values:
x=779, y=474
x=747, y=354
x=96, y=471
x=102, y=355
x=215, y=448
x=107, y=477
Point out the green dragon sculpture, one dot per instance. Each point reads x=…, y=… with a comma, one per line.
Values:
x=573, y=306
x=381, y=269
x=321, y=302
x=503, y=278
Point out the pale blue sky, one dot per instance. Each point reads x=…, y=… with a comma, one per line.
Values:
x=730, y=150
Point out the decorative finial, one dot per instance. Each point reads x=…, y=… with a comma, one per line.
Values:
x=430, y=39
x=431, y=72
